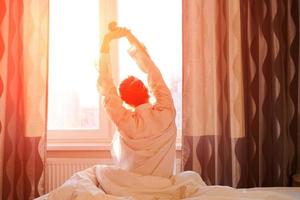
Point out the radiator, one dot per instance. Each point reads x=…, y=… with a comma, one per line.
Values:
x=58, y=170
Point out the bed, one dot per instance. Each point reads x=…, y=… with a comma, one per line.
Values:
x=113, y=183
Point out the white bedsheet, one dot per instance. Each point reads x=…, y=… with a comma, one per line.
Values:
x=112, y=183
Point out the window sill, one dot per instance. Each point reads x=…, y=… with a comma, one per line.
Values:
x=86, y=147
x=78, y=147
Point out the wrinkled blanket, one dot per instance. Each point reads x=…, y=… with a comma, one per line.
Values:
x=112, y=183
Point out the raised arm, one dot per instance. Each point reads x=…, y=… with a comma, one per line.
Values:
x=112, y=103
x=106, y=85
x=156, y=82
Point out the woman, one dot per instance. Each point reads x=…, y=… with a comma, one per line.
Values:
x=147, y=134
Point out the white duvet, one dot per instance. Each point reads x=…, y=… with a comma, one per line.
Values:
x=112, y=183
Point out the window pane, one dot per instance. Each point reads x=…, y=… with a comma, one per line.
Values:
x=157, y=24
x=73, y=51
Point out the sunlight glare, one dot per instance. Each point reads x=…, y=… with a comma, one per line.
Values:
x=73, y=48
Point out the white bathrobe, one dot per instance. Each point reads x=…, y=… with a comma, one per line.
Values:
x=146, y=143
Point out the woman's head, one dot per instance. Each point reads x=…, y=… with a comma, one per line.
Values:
x=133, y=91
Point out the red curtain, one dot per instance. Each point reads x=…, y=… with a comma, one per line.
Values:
x=23, y=92
x=241, y=91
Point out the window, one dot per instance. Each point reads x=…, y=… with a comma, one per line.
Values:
x=74, y=113
x=74, y=110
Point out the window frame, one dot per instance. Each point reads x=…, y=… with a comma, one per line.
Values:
x=103, y=135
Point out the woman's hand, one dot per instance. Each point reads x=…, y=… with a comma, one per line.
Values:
x=112, y=35
x=116, y=34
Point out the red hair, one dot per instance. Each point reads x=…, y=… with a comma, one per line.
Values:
x=133, y=91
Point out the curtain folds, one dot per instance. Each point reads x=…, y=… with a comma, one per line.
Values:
x=241, y=91
x=23, y=83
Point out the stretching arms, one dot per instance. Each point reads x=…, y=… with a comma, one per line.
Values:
x=127, y=121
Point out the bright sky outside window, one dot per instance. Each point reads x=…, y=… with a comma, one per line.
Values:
x=74, y=46
x=157, y=24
